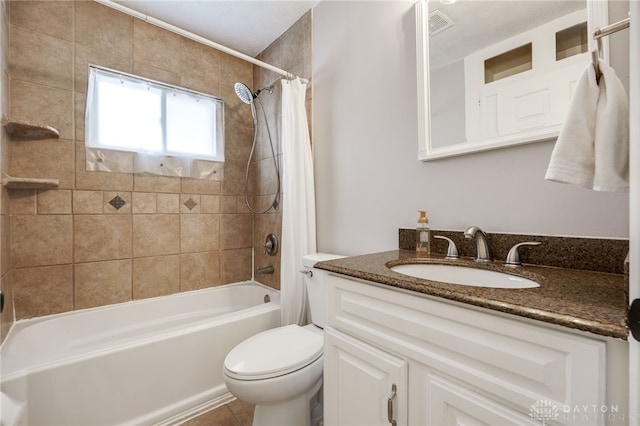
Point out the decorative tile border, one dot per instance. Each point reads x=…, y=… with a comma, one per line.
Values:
x=591, y=254
x=117, y=202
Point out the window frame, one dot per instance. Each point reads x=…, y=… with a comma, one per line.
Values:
x=166, y=89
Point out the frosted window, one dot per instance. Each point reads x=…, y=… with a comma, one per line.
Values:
x=129, y=113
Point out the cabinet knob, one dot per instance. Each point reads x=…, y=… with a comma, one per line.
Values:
x=394, y=391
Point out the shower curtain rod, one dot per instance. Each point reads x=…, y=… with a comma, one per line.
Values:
x=199, y=39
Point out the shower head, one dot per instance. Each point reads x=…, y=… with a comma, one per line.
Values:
x=244, y=93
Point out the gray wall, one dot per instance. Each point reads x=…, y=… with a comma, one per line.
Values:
x=369, y=182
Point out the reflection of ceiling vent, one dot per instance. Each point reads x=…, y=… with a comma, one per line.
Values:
x=438, y=22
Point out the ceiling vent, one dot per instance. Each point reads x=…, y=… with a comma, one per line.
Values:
x=438, y=22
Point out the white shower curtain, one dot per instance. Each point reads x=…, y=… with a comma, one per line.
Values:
x=299, y=209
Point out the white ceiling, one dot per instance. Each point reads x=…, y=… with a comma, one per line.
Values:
x=247, y=26
x=250, y=26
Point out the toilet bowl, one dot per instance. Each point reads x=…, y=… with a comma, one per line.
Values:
x=280, y=370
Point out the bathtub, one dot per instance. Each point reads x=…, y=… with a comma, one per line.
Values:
x=152, y=361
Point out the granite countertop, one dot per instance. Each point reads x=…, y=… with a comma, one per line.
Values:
x=585, y=300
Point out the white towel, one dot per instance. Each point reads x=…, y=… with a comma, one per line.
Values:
x=592, y=149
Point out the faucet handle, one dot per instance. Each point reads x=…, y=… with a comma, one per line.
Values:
x=513, y=257
x=452, y=250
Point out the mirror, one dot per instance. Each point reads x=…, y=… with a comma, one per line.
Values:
x=494, y=74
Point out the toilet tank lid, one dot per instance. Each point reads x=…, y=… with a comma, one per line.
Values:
x=311, y=259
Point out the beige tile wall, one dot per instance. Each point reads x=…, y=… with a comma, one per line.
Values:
x=291, y=52
x=70, y=247
x=6, y=318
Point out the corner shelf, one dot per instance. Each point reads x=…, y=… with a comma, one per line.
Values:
x=24, y=131
x=11, y=182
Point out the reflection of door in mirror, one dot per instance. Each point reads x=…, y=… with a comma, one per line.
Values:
x=506, y=69
x=512, y=84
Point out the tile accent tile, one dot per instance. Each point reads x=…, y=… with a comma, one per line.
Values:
x=102, y=237
x=117, y=202
x=54, y=202
x=102, y=283
x=199, y=232
x=43, y=290
x=39, y=240
x=190, y=203
x=156, y=276
x=155, y=235
x=199, y=270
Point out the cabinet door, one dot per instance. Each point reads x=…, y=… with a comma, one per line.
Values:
x=359, y=381
x=451, y=404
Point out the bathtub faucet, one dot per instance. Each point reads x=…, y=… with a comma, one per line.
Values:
x=265, y=270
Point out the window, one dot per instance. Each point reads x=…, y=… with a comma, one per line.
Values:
x=168, y=124
x=508, y=63
x=572, y=41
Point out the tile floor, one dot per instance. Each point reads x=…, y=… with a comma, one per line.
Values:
x=235, y=413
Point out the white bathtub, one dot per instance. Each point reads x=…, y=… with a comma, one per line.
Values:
x=153, y=361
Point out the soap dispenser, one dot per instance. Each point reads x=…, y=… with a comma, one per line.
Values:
x=423, y=234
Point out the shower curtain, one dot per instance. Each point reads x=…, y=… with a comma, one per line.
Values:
x=299, y=210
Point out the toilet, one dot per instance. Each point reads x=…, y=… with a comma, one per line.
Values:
x=280, y=370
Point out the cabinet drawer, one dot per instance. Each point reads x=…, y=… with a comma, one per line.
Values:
x=519, y=362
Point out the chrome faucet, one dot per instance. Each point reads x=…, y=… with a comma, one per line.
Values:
x=482, y=248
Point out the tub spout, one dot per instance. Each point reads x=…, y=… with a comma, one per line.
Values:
x=265, y=270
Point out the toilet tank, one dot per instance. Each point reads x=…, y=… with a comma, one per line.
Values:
x=316, y=286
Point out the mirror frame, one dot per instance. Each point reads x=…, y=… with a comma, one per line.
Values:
x=597, y=16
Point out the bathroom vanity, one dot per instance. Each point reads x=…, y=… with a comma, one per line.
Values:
x=407, y=351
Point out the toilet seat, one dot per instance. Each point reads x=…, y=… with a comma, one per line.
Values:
x=274, y=353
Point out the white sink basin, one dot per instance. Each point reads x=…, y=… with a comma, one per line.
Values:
x=452, y=274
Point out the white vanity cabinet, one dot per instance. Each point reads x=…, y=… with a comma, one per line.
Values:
x=454, y=364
